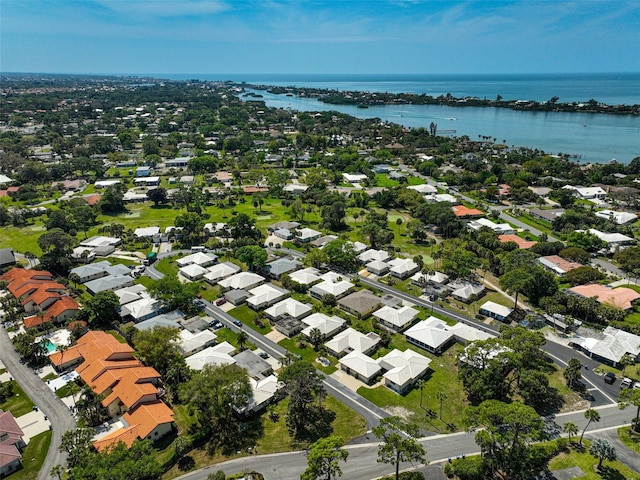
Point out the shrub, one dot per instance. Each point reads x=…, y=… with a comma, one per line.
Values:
x=472, y=468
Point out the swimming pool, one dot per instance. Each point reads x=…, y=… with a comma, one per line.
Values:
x=49, y=346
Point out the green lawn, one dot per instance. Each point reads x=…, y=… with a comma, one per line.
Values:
x=382, y=180
x=228, y=335
x=308, y=353
x=33, y=457
x=119, y=337
x=443, y=378
x=168, y=266
x=630, y=438
x=248, y=317
x=611, y=470
x=541, y=225
x=19, y=403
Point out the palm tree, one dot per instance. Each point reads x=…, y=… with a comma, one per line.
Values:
x=625, y=361
x=441, y=396
x=570, y=429
x=30, y=256
x=75, y=278
x=57, y=470
x=242, y=338
x=602, y=450
x=591, y=415
x=421, y=383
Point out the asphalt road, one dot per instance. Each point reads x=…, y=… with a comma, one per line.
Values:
x=57, y=412
x=362, y=465
x=370, y=412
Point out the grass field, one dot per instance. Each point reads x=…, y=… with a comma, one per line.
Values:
x=248, y=316
x=443, y=378
x=630, y=439
x=308, y=353
x=610, y=470
x=275, y=436
x=19, y=403
x=33, y=457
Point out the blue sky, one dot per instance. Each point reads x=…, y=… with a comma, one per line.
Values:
x=307, y=36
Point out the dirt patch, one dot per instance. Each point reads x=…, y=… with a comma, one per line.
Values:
x=401, y=412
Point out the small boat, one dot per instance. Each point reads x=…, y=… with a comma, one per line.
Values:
x=363, y=106
x=450, y=118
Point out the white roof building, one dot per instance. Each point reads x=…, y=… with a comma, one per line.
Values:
x=106, y=183
x=351, y=340
x=288, y=306
x=141, y=309
x=420, y=278
x=621, y=218
x=403, y=369
x=306, y=276
x=431, y=334
x=397, y=319
x=220, y=271
x=241, y=281
x=337, y=288
x=328, y=326
x=442, y=197
x=425, y=189
x=100, y=241
x=306, y=235
x=371, y=254
x=131, y=294
x=146, y=231
x=499, y=228
x=217, y=355
x=198, y=258
x=495, y=310
x=361, y=366
x=354, y=177
x=193, y=271
x=466, y=333
x=265, y=295
x=611, y=345
x=191, y=343
x=262, y=392
x=402, y=267
x=358, y=247
x=611, y=238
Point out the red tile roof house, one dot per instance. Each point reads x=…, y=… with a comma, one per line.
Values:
x=622, y=298
x=521, y=242
x=109, y=368
x=62, y=309
x=10, y=443
x=461, y=211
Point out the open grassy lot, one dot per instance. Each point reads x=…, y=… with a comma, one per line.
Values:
x=541, y=225
x=248, y=316
x=168, y=266
x=610, y=470
x=19, y=403
x=443, y=378
x=572, y=400
x=275, y=436
x=228, y=335
x=308, y=353
x=33, y=457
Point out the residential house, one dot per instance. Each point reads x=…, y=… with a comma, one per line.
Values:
x=521, y=242
x=332, y=284
x=279, y=267
x=306, y=235
x=263, y=392
x=289, y=326
x=193, y=272
x=403, y=369
x=609, y=346
x=494, y=310
x=372, y=254
x=351, y=340
x=378, y=268
x=131, y=294
x=256, y=367
x=190, y=343
x=306, y=276
x=361, y=303
x=109, y=283
x=199, y=258
x=242, y=280
x=11, y=442
x=558, y=265
x=461, y=211
x=142, y=309
x=499, y=228
x=360, y=366
x=328, y=326
x=396, y=319
x=422, y=279
x=265, y=295
x=237, y=296
x=424, y=189
x=217, y=355
x=61, y=310
x=220, y=271
x=97, y=270
x=431, y=334
x=466, y=291
x=622, y=297
x=288, y=307
x=621, y=218
x=7, y=258
x=403, y=267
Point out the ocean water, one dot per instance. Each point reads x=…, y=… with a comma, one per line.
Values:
x=610, y=88
x=591, y=137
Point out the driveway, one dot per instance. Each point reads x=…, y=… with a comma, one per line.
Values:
x=49, y=405
x=32, y=424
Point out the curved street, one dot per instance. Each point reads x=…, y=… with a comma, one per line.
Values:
x=47, y=401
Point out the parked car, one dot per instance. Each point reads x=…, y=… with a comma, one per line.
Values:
x=626, y=383
x=609, y=377
x=221, y=301
x=263, y=355
x=237, y=323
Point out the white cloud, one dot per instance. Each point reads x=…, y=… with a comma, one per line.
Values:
x=165, y=8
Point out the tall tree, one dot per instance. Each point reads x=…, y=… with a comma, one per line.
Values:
x=592, y=416
x=631, y=397
x=304, y=386
x=602, y=450
x=102, y=307
x=215, y=392
x=573, y=372
x=399, y=443
x=324, y=459
x=253, y=256
x=570, y=429
x=158, y=346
